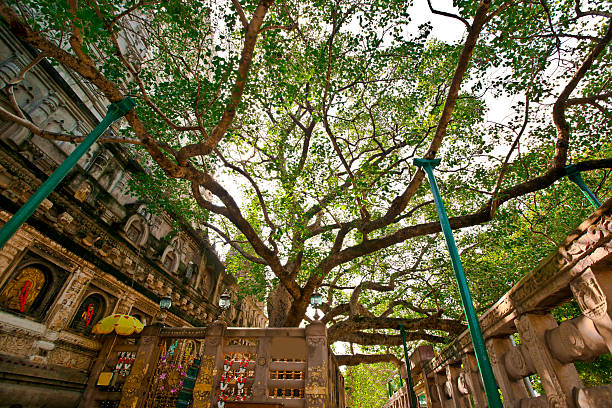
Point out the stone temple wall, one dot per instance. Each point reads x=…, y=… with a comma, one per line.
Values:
x=90, y=250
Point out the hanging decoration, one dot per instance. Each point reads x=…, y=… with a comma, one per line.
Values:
x=88, y=314
x=237, y=377
x=23, y=296
x=124, y=363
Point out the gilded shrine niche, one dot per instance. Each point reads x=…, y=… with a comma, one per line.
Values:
x=32, y=286
x=24, y=289
x=91, y=310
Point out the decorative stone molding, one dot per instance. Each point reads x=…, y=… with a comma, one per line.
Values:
x=590, y=296
x=10, y=69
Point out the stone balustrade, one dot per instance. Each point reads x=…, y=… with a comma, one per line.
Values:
x=580, y=269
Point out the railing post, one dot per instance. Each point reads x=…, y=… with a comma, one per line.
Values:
x=512, y=390
x=470, y=368
x=558, y=379
x=315, y=388
x=260, y=381
x=431, y=391
x=204, y=390
x=480, y=350
x=88, y=397
x=136, y=386
x=452, y=376
x=593, y=293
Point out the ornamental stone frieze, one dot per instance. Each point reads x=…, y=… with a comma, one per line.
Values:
x=86, y=232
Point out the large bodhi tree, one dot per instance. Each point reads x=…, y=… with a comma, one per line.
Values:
x=287, y=129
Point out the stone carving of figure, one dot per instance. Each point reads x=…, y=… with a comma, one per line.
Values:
x=190, y=273
x=83, y=192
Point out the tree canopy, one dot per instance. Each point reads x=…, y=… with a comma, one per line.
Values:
x=286, y=129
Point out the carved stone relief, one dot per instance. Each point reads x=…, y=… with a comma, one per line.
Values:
x=590, y=296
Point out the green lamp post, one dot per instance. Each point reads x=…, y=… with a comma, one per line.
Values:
x=480, y=350
x=413, y=400
x=115, y=111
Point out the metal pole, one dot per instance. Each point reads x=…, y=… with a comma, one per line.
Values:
x=115, y=111
x=482, y=358
x=413, y=400
x=574, y=175
x=526, y=380
x=389, y=389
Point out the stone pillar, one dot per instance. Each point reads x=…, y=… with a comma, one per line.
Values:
x=204, y=384
x=431, y=391
x=204, y=391
x=69, y=299
x=452, y=377
x=513, y=389
x=440, y=384
x=260, y=380
x=137, y=384
x=315, y=388
x=87, y=399
x=474, y=382
x=558, y=379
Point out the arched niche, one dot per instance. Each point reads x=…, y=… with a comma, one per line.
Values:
x=171, y=257
x=27, y=286
x=90, y=311
x=137, y=230
x=31, y=288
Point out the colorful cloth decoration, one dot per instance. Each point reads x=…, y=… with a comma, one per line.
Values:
x=124, y=325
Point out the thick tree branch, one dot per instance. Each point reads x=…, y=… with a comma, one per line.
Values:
x=563, y=129
x=372, y=339
x=480, y=217
x=64, y=137
x=399, y=203
x=356, y=359
x=446, y=14
x=240, y=11
x=217, y=133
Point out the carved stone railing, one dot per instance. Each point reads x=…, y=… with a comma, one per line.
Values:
x=581, y=268
x=289, y=367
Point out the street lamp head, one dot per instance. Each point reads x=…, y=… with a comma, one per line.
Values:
x=165, y=303
x=224, y=301
x=316, y=300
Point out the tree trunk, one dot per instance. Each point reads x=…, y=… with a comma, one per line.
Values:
x=279, y=303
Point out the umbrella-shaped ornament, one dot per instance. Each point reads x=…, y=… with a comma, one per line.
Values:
x=122, y=324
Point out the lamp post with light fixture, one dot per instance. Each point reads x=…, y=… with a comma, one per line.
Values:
x=224, y=303
x=315, y=301
x=165, y=303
